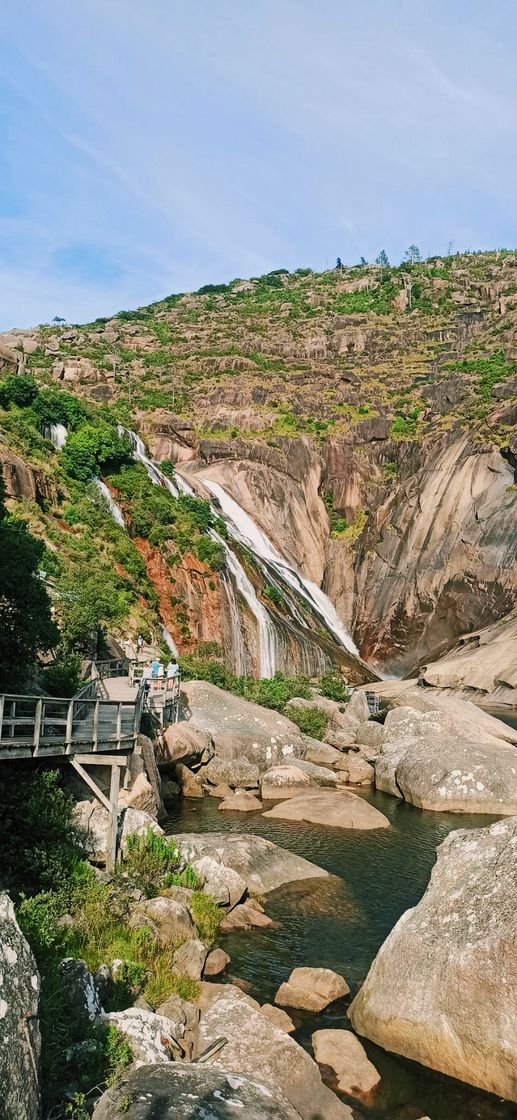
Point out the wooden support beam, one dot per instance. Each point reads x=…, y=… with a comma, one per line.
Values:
x=37, y=726
x=111, y=850
x=91, y=784
x=95, y=758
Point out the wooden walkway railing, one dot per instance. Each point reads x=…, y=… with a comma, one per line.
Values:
x=43, y=726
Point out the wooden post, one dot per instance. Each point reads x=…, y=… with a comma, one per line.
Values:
x=111, y=850
x=95, y=723
x=2, y=702
x=37, y=726
x=69, y=727
x=118, y=732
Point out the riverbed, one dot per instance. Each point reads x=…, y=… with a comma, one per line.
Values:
x=340, y=924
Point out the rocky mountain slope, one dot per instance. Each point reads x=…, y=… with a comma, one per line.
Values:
x=365, y=418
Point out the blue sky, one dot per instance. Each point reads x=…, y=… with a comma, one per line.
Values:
x=151, y=146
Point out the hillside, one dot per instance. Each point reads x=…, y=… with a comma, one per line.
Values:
x=364, y=418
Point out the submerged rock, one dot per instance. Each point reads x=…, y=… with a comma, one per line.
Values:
x=240, y=801
x=443, y=987
x=255, y=1047
x=345, y=1065
x=245, y=916
x=311, y=988
x=262, y=865
x=20, y=1041
x=192, y=1092
x=335, y=809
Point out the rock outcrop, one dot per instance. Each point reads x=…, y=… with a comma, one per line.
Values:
x=193, y=1092
x=262, y=865
x=333, y=809
x=345, y=1065
x=256, y=1048
x=439, y=762
x=443, y=987
x=20, y=1042
x=241, y=729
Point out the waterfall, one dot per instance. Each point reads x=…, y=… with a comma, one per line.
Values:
x=57, y=434
x=114, y=509
x=169, y=641
x=153, y=470
x=243, y=528
x=266, y=630
x=238, y=648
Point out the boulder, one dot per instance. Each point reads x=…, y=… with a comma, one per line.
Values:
x=20, y=1041
x=210, y=993
x=335, y=712
x=236, y=772
x=262, y=865
x=369, y=738
x=281, y=782
x=216, y=962
x=241, y=729
x=311, y=989
x=241, y=801
x=185, y=742
x=245, y=916
x=189, y=783
x=181, y=1012
x=356, y=712
x=168, y=919
x=278, y=1017
x=443, y=987
x=319, y=775
x=92, y=818
x=321, y=754
x=222, y=883
x=340, y=740
x=257, y=1048
x=333, y=808
x=80, y=990
x=189, y=959
x=152, y=1037
x=345, y=1065
x=170, y=793
x=437, y=761
x=356, y=770
x=183, y=1090
x=140, y=795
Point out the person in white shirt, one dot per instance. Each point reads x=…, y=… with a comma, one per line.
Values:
x=172, y=669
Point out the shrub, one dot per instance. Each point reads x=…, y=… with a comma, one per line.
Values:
x=206, y=915
x=273, y=594
x=332, y=686
x=39, y=843
x=20, y=391
x=63, y=676
x=211, y=552
x=311, y=721
x=93, y=447
x=149, y=857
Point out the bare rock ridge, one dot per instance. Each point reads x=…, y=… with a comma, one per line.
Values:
x=20, y=1042
x=443, y=987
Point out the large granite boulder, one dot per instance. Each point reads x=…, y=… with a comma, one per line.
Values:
x=256, y=1048
x=262, y=865
x=167, y=918
x=237, y=773
x=444, y=763
x=184, y=742
x=443, y=987
x=152, y=1037
x=240, y=729
x=20, y=1042
x=333, y=808
x=281, y=782
x=192, y=1092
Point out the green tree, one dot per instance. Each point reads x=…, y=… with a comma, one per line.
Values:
x=26, y=625
x=339, y=264
x=18, y=390
x=94, y=446
x=382, y=259
x=413, y=255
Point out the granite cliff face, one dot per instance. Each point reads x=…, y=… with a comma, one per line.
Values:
x=364, y=418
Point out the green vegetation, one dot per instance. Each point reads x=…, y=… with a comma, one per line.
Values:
x=206, y=915
x=486, y=371
x=332, y=685
x=311, y=721
x=93, y=448
x=337, y=524
x=405, y=427
x=26, y=627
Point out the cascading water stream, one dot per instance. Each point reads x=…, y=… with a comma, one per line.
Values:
x=114, y=509
x=57, y=434
x=265, y=628
x=243, y=528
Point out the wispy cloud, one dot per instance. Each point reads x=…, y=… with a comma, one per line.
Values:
x=154, y=146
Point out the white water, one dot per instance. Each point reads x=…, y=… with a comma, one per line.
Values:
x=243, y=528
x=114, y=509
x=169, y=640
x=153, y=470
x=57, y=433
x=238, y=648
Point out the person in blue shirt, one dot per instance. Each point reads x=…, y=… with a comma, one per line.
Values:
x=155, y=665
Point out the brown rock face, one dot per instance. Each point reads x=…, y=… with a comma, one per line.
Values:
x=21, y=479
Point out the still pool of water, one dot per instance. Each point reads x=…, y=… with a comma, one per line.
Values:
x=341, y=923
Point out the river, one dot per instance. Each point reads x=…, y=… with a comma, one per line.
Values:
x=341, y=923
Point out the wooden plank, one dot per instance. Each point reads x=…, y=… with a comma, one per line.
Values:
x=95, y=724
x=69, y=727
x=98, y=759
